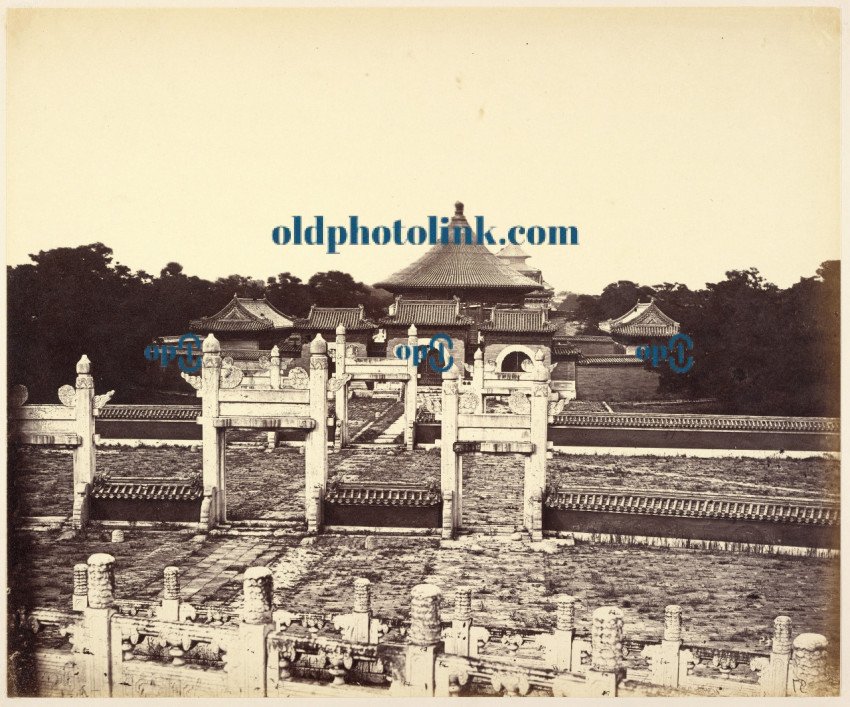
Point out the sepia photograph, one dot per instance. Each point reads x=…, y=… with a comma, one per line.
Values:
x=392, y=352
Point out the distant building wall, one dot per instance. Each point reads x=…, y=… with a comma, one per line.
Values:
x=618, y=382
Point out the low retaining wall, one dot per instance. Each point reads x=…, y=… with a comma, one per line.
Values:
x=786, y=522
x=696, y=431
x=146, y=499
x=383, y=505
x=671, y=431
x=149, y=422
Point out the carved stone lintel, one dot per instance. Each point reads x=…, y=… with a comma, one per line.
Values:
x=195, y=381
x=68, y=395
x=467, y=403
x=231, y=377
x=518, y=403
x=540, y=390
x=84, y=382
x=318, y=363
x=101, y=400
x=296, y=378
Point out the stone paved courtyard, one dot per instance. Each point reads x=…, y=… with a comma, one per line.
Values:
x=728, y=599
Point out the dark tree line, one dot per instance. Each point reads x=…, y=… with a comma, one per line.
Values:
x=71, y=301
x=758, y=349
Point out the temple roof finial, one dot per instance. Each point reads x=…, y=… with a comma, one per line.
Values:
x=458, y=208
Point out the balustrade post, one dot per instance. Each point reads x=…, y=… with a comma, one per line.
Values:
x=808, y=665
x=423, y=638
x=411, y=390
x=774, y=678
x=565, y=631
x=459, y=642
x=666, y=665
x=97, y=624
x=170, y=605
x=316, y=445
x=606, y=669
x=449, y=459
x=257, y=623
x=80, y=598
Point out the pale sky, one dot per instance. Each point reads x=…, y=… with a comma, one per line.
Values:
x=681, y=143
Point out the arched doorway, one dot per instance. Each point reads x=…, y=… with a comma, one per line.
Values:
x=515, y=362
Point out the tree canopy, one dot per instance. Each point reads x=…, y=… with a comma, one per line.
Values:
x=758, y=349
x=71, y=301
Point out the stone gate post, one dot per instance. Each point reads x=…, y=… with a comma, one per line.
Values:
x=316, y=445
x=535, y=464
x=341, y=401
x=84, y=455
x=272, y=436
x=478, y=380
x=449, y=459
x=212, y=437
x=411, y=390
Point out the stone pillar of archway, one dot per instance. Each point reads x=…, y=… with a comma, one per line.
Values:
x=449, y=459
x=410, y=390
x=341, y=400
x=535, y=465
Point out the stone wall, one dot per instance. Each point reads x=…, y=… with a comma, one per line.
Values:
x=617, y=382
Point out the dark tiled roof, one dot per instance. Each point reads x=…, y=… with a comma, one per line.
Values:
x=427, y=312
x=610, y=360
x=826, y=425
x=289, y=347
x=587, y=339
x=458, y=266
x=150, y=412
x=681, y=505
x=243, y=314
x=141, y=488
x=329, y=318
x=519, y=320
x=644, y=319
x=560, y=349
x=379, y=494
